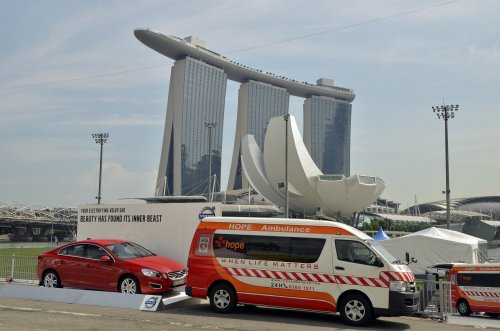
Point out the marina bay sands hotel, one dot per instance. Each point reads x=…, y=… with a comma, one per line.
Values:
x=196, y=100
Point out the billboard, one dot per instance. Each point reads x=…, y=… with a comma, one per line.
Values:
x=164, y=228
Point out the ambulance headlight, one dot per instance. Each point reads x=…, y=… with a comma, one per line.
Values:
x=399, y=286
x=150, y=273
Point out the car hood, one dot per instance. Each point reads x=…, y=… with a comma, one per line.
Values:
x=158, y=263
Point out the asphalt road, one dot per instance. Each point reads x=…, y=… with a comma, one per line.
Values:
x=21, y=315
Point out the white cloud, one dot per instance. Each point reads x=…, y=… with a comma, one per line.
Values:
x=117, y=182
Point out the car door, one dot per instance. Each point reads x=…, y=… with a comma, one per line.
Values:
x=69, y=264
x=98, y=274
x=357, y=267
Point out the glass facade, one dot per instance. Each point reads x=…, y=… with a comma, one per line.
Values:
x=196, y=98
x=203, y=102
x=264, y=102
x=329, y=138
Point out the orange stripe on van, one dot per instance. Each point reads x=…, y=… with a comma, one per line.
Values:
x=243, y=287
x=276, y=228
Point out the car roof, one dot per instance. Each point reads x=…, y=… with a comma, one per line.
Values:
x=103, y=242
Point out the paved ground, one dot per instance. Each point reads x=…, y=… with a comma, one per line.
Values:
x=21, y=315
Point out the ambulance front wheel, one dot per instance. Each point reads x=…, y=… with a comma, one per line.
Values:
x=355, y=309
x=463, y=307
x=223, y=298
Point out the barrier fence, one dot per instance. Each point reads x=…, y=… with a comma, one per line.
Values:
x=18, y=268
x=435, y=298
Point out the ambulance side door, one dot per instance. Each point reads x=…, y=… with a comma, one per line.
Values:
x=357, y=267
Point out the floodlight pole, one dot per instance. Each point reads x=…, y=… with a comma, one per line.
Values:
x=100, y=138
x=210, y=126
x=446, y=112
x=286, y=118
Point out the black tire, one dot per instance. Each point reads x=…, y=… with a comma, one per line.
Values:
x=463, y=307
x=493, y=315
x=356, y=310
x=51, y=279
x=223, y=298
x=129, y=285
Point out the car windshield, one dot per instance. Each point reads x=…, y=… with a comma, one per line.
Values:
x=128, y=250
x=382, y=251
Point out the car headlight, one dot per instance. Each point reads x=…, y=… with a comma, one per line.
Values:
x=399, y=286
x=150, y=273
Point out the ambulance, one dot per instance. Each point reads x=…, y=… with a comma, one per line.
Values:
x=476, y=288
x=297, y=264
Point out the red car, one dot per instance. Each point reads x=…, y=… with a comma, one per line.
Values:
x=109, y=265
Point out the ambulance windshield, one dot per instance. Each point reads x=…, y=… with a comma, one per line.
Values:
x=382, y=251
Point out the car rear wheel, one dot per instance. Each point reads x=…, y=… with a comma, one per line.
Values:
x=51, y=279
x=356, y=310
x=129, y=285
x=223, y=298
x=463, y=307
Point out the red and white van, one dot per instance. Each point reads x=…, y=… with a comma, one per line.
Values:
x=476, y=287
x=299, y=264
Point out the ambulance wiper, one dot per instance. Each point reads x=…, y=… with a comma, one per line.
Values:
x=396, y=262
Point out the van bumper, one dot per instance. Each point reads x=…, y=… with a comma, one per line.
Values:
x=400, y=304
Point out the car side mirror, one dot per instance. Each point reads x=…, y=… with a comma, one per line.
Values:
x=413, y=260
x=104, y=258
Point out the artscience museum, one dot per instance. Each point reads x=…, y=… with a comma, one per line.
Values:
x=311, y=192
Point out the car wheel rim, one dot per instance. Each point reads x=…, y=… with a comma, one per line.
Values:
x=221, y=299
x=129, y=286
x=355, y=310
x=50, y=280
x=462, y=307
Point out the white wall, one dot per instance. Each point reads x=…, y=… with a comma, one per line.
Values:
x=165, y=228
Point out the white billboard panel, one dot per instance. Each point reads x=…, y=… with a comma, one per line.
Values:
x=164, y=228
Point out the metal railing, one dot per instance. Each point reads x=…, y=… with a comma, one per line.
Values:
x=18, y=268
x=435, y=298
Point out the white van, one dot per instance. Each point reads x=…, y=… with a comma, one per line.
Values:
x=298, y=264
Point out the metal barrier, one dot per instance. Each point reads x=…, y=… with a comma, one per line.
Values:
x=18, y=268
x=435, y=298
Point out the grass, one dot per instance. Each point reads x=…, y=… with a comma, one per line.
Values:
x=28, y=251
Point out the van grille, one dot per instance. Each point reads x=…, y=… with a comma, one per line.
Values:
x=177, y=274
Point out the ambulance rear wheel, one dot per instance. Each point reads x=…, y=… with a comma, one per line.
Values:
x=463, y=307
x=223, y=298
x=356, y=310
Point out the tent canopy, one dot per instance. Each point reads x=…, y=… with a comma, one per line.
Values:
x=433, y=246
x=380, y=235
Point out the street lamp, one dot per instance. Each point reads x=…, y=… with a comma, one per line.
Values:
x=286, y=118
x=100, y=138
x=446, y=112
x=210, y=126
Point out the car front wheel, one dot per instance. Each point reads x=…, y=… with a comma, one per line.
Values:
x=463, y=307
x=356, y=310
x=51, y=279
x=129, y=285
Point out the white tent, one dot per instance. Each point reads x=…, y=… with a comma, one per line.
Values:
x=433, y=245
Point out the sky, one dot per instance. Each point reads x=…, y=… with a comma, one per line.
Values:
x=72, y=68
